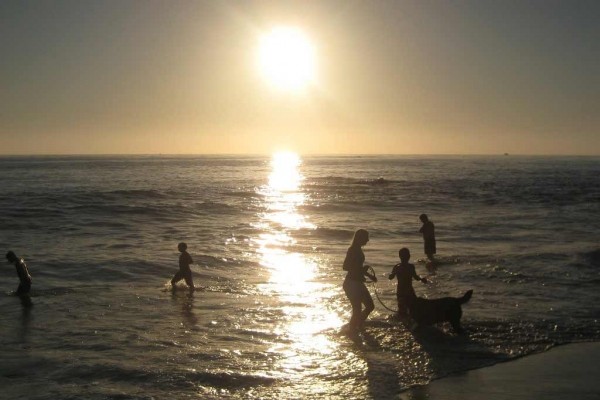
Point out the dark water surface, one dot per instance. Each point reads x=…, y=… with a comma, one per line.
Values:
x=100, y=237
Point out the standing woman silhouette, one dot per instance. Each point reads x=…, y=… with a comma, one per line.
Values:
x=354, y=284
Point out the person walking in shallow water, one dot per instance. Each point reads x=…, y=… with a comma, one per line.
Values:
x=428, y=231
x=185, y=272
x=22, y=272
x=354, y=283
x=405, y=272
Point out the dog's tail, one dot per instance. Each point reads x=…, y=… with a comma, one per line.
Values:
x=466, y=297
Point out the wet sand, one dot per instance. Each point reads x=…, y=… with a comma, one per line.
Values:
x=564, y=372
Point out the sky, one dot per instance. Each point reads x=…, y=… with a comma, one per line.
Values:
x=392, y=77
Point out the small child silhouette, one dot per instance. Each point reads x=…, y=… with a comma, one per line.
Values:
x=405, y=273
x=184, y=267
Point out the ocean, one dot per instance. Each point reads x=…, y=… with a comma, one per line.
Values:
x=268, y=235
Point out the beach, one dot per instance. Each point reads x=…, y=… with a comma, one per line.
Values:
x=268, y=238
x=564, y=372
x=366, y=200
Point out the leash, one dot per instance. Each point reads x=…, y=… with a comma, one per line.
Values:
x=377, y=294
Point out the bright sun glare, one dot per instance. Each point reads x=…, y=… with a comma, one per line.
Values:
x=286, y=58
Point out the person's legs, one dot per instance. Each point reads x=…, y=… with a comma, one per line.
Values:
x=402, y=306
x=367, y=300
x=23, y=288
x=188, y=279
x=430, y=250
x=176, y=278
x=352, y=290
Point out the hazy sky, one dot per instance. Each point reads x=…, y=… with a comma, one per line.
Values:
x=419, y=76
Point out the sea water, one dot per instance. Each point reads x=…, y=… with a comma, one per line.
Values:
x=268, y=235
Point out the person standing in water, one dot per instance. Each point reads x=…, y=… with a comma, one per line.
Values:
x=428, y=231
x=354, y=283
x=405, y=273
x=22, y=272
x=185, y=272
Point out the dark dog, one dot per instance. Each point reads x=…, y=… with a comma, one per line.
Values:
x=427, y=312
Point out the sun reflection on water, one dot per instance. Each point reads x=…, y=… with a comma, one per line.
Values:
x=285, y=176
x=294, y=275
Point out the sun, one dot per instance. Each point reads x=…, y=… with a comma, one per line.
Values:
x=286, y=59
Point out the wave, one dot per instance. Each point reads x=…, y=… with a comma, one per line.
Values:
x=326, y=233
x=120, y=209
x=136, y=193
x=250, y=194
x=207, y=268
x=55, y=291
x=215, y=206
x=99, y=223
x=159, y=210
x=32, y=212
x=112, y=196
x=232, y=380
x=435, y=352
x=212, y=261
x=351, y=181
x=180, y=379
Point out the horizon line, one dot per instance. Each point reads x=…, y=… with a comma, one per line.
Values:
x=299, y=153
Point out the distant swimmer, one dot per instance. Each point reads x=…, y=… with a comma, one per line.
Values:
x=185, y=271
x=22, y=272
x=428, y=231
x=354, y=284
x=405, y=273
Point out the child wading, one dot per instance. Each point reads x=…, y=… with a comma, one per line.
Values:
x=22, y=272
x=405, y=273
x=184, y=267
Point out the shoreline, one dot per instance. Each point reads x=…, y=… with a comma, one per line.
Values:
x=565, y=371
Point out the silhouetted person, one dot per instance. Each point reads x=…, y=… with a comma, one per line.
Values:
x=428, y=231
x=22, y=272
x=405, y=273
x=185, y=271
x=354, y=284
